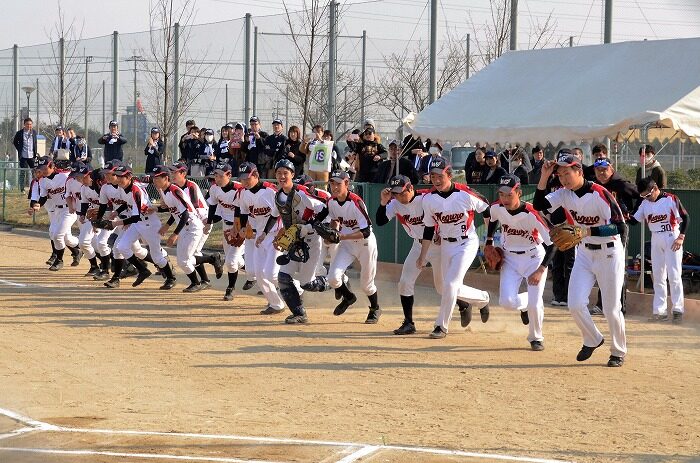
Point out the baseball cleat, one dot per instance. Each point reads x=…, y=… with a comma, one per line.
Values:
x=557, y=303
x=129, y=271
x=112, y=283
x=229, y=294
x=616, y=361
x=141, y=277
x=659, y=317
x=586, y=352
x=373, y=316
x=338, y=294
x=169, y=284
x=595, y=310
x=52, y=259
x=484, y=311
x=296, y=319
x=405, y=328
x=76, y=259
x=524, y=317
x=218, y=265
x=269, y=310
x=248, y=284
x=93, y=272
x=102, y=275
x=193, y=288
x=344, y=305
x=206, y=284
x=57, y=265
x=465, y=315
x=438, y=333
x=677, y=318
x=536, y=345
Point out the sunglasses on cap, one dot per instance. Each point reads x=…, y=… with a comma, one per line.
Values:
x=602, y=162
x=648, y=194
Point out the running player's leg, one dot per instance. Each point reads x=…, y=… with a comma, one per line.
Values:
x=609, y=269
x=580, y=285
x=658, y=270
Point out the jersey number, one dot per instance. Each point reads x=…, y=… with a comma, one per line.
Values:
x=666, y=227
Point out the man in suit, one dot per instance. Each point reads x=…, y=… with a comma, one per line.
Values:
x=113, y=142
x=387, y=168
x=25, y=143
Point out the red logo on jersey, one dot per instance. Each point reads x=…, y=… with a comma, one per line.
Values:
x=584, y=219
x=656, y=218
x=260, y=211
x=412, y=220
x=514, y=231
x=57, y=191
x=225, y=205
x=449, y=218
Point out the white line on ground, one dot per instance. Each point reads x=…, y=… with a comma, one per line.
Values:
x=132, y=455
x=363, y=452
x=28, y=421
x=12, y=283
x=18, y=432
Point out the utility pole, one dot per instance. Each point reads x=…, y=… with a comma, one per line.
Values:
x=364, y=74
x=15, y=87
x=62, y=81
x=255, y=70
x=135, y=59
x=37, y=105
x=469, y=57
x=286, y=105
x=513, y=24
x=115, y=76
x=332, y=58
x=88, y=59
x=104, y=107
x=176, y=92
x=432, y=90
x=246, y=70
x=571, y=41
x=608, y=21
x=226, y=105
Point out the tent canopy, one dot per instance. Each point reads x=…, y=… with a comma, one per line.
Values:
x=572, y=94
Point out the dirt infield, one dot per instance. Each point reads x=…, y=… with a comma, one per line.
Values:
x=81, y=358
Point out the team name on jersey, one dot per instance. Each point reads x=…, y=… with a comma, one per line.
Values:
x=226, y=205
x=259, y=211
x=449, y=218
x=657, y=218
x=584, y=219
x=348, y=223
x=514, y=231
x=57, y=191
x=412, y=220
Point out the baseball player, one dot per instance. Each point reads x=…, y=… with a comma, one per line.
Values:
x=90, y=201
x=295, y=206
x=450, y=207
x=33, y=197
x=523, y=233
x=256, y=203
x=403, y=201
x=178, y=176
x=222, y=201
x=188, y=231
x=52, y=189
x=141, y=223
x=357, y=241
x=668, y=222
x=596, y=221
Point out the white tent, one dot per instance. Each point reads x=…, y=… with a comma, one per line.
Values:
x=572, y=94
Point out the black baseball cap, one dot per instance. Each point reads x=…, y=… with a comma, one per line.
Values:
x=111, y=165
x=122, y=171
x=209, y=132
x=304, y=179
x=508, y=182
x=179, y=166
x=159, y=170
x=399, y=183
x=246, y=169
x=58, y=127
x=155, y=130
x=393, y=142
x=278, y=121
x=490, y=154
x=339, y=175
x=239, y=126
x=438, y=165
x=566, y=158
x=78, y=169
x=43, y=161
x=221, y=168
x=113, y=123
x=254, y=119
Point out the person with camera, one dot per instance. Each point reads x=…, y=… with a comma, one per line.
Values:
x=80, y=151
x=254, y=145
x=113, y=142
x=154, y=150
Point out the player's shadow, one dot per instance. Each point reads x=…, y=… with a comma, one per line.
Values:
x=359, y=366
x=326, y=349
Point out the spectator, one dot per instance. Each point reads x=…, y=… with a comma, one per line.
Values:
x=182, y=146
x=578, y=152
x=274, y=147
x=369, y=124
x=189, y=145
x=154, y=150
x=653, y=168
x=369, y=155
x=235, y=148
x=113, y=142
x=492, y=172
x=60, y=141
x=387, y=169
x=599, y=151
x=413, y=149
x=473, y=172
x=434, y=150
x=254, y=145
x=80, y=151
x=335, y=151
x=292, y=150
x=70, y=133
x=307, y=147
x=470, y=161
x=517, y=163
x=221, y=147
x=206, y=153
x=25, y=144
x=537, y=160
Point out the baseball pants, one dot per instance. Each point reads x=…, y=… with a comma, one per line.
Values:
x=186, y=247
x=233, y=256
x=456, y=258
x=202, y=242
x=249, y=259
x=326, y=250
x=607, y=266
x=93, y=243
x=365, y=251
x=136, y=248
x=60, y=228
x=517, y=267
x=410, y=273
x=305, y=271
x=146, y=229
x=266, y=270
x=666, y=263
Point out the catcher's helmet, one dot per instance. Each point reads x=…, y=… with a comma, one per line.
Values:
x=284, y=163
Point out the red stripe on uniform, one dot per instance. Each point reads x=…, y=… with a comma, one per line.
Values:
x=533, y=211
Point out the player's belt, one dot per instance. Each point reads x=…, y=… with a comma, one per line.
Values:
x=520, y=252
x=228, y=222
x=597, y=247
x=454, y=240
x=60, y=207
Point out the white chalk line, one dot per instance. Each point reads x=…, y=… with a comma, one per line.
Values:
x=363, y=452
x=12, y=283
x=18, y=432
x=28, y=421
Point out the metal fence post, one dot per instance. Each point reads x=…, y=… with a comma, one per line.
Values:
x=4, y=191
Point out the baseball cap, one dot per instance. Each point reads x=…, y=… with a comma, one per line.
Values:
x=508, y=182
x=602, y=162
x=339, y=175
x=285, y=164
x=246, y=169
x=155, y=130
x=278, y=121
x=369, y=121
x=303, y=179
x=111, y=165
x=228, y=126
x=113, y=123
x=368, y=130
x=160, y=170
x=209, y=132
x=43, y=161
x=78, y=169
x=238, y=126
x=438, y=165
x=58, y=127
x=566, y=158
x=221, y=168
x=254, y=119
x=122, y=171
x=179, y=166
x=490, y=154
x=393, y=142
x=399, y=183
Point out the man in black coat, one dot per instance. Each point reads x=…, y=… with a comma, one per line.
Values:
x=254, y=145
x=113, y=142
x=387, y=168
x=25, y=144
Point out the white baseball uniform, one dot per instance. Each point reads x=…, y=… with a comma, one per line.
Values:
x=452, y=212
x=53, y=188
x=189, y=226
x=664, y=217
x=116, y=198
x=92, y=242
x=598, y=258
x=258, y=203
x=199, y=202
x=327, y=249
x=352, y=216
x=523, y=233
x=226, y=200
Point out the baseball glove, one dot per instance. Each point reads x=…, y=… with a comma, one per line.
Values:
x=249, y=235
x=233, y=238
x=566, y=236
x=91, y=213
x=283, y=241
x=327, y=232
x=494, y=256
x=103, y=224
